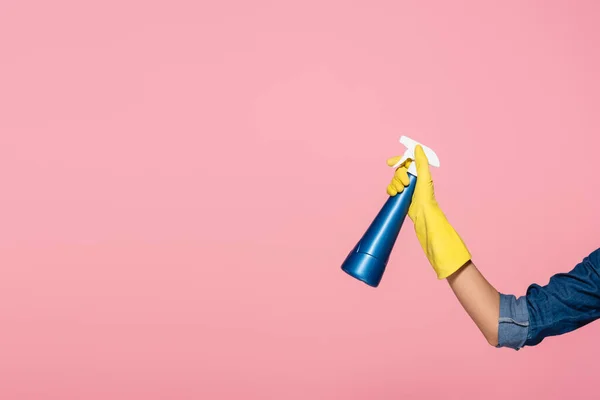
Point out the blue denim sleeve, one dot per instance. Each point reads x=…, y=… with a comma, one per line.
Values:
x=568, y=302
x=513, y=324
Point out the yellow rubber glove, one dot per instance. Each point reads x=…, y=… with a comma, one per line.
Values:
x=443, y=247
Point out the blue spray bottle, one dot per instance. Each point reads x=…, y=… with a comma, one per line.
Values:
x=368, y=259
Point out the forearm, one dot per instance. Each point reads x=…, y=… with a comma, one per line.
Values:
x=568, y=302
x=479, y=299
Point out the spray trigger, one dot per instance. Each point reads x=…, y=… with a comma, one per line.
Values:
x=409, y=154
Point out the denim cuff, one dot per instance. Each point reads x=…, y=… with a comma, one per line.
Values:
x=513, y=324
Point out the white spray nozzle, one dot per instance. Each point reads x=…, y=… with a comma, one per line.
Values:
x=410, y=145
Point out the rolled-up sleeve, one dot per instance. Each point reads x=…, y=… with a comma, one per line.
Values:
x=513, y=324
x=569, y=301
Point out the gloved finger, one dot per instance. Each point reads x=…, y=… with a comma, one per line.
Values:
x=422, y=164
x=401, y=175
x=399, y=186
x=391, y=190
x=392, y=161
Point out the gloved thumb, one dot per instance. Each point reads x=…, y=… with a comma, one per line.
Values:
x=422, y=164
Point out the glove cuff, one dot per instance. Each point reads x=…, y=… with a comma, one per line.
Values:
x=444, y=248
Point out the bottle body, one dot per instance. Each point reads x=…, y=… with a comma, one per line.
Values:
x=368, y=259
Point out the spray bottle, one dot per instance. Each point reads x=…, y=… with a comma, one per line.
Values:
x=368, y=259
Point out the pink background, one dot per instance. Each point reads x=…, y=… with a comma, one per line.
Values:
x=181, y=180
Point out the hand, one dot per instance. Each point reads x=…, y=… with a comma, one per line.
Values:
x=424, y=194
x=442, y=245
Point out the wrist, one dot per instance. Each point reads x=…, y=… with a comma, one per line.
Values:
x=423, y=210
